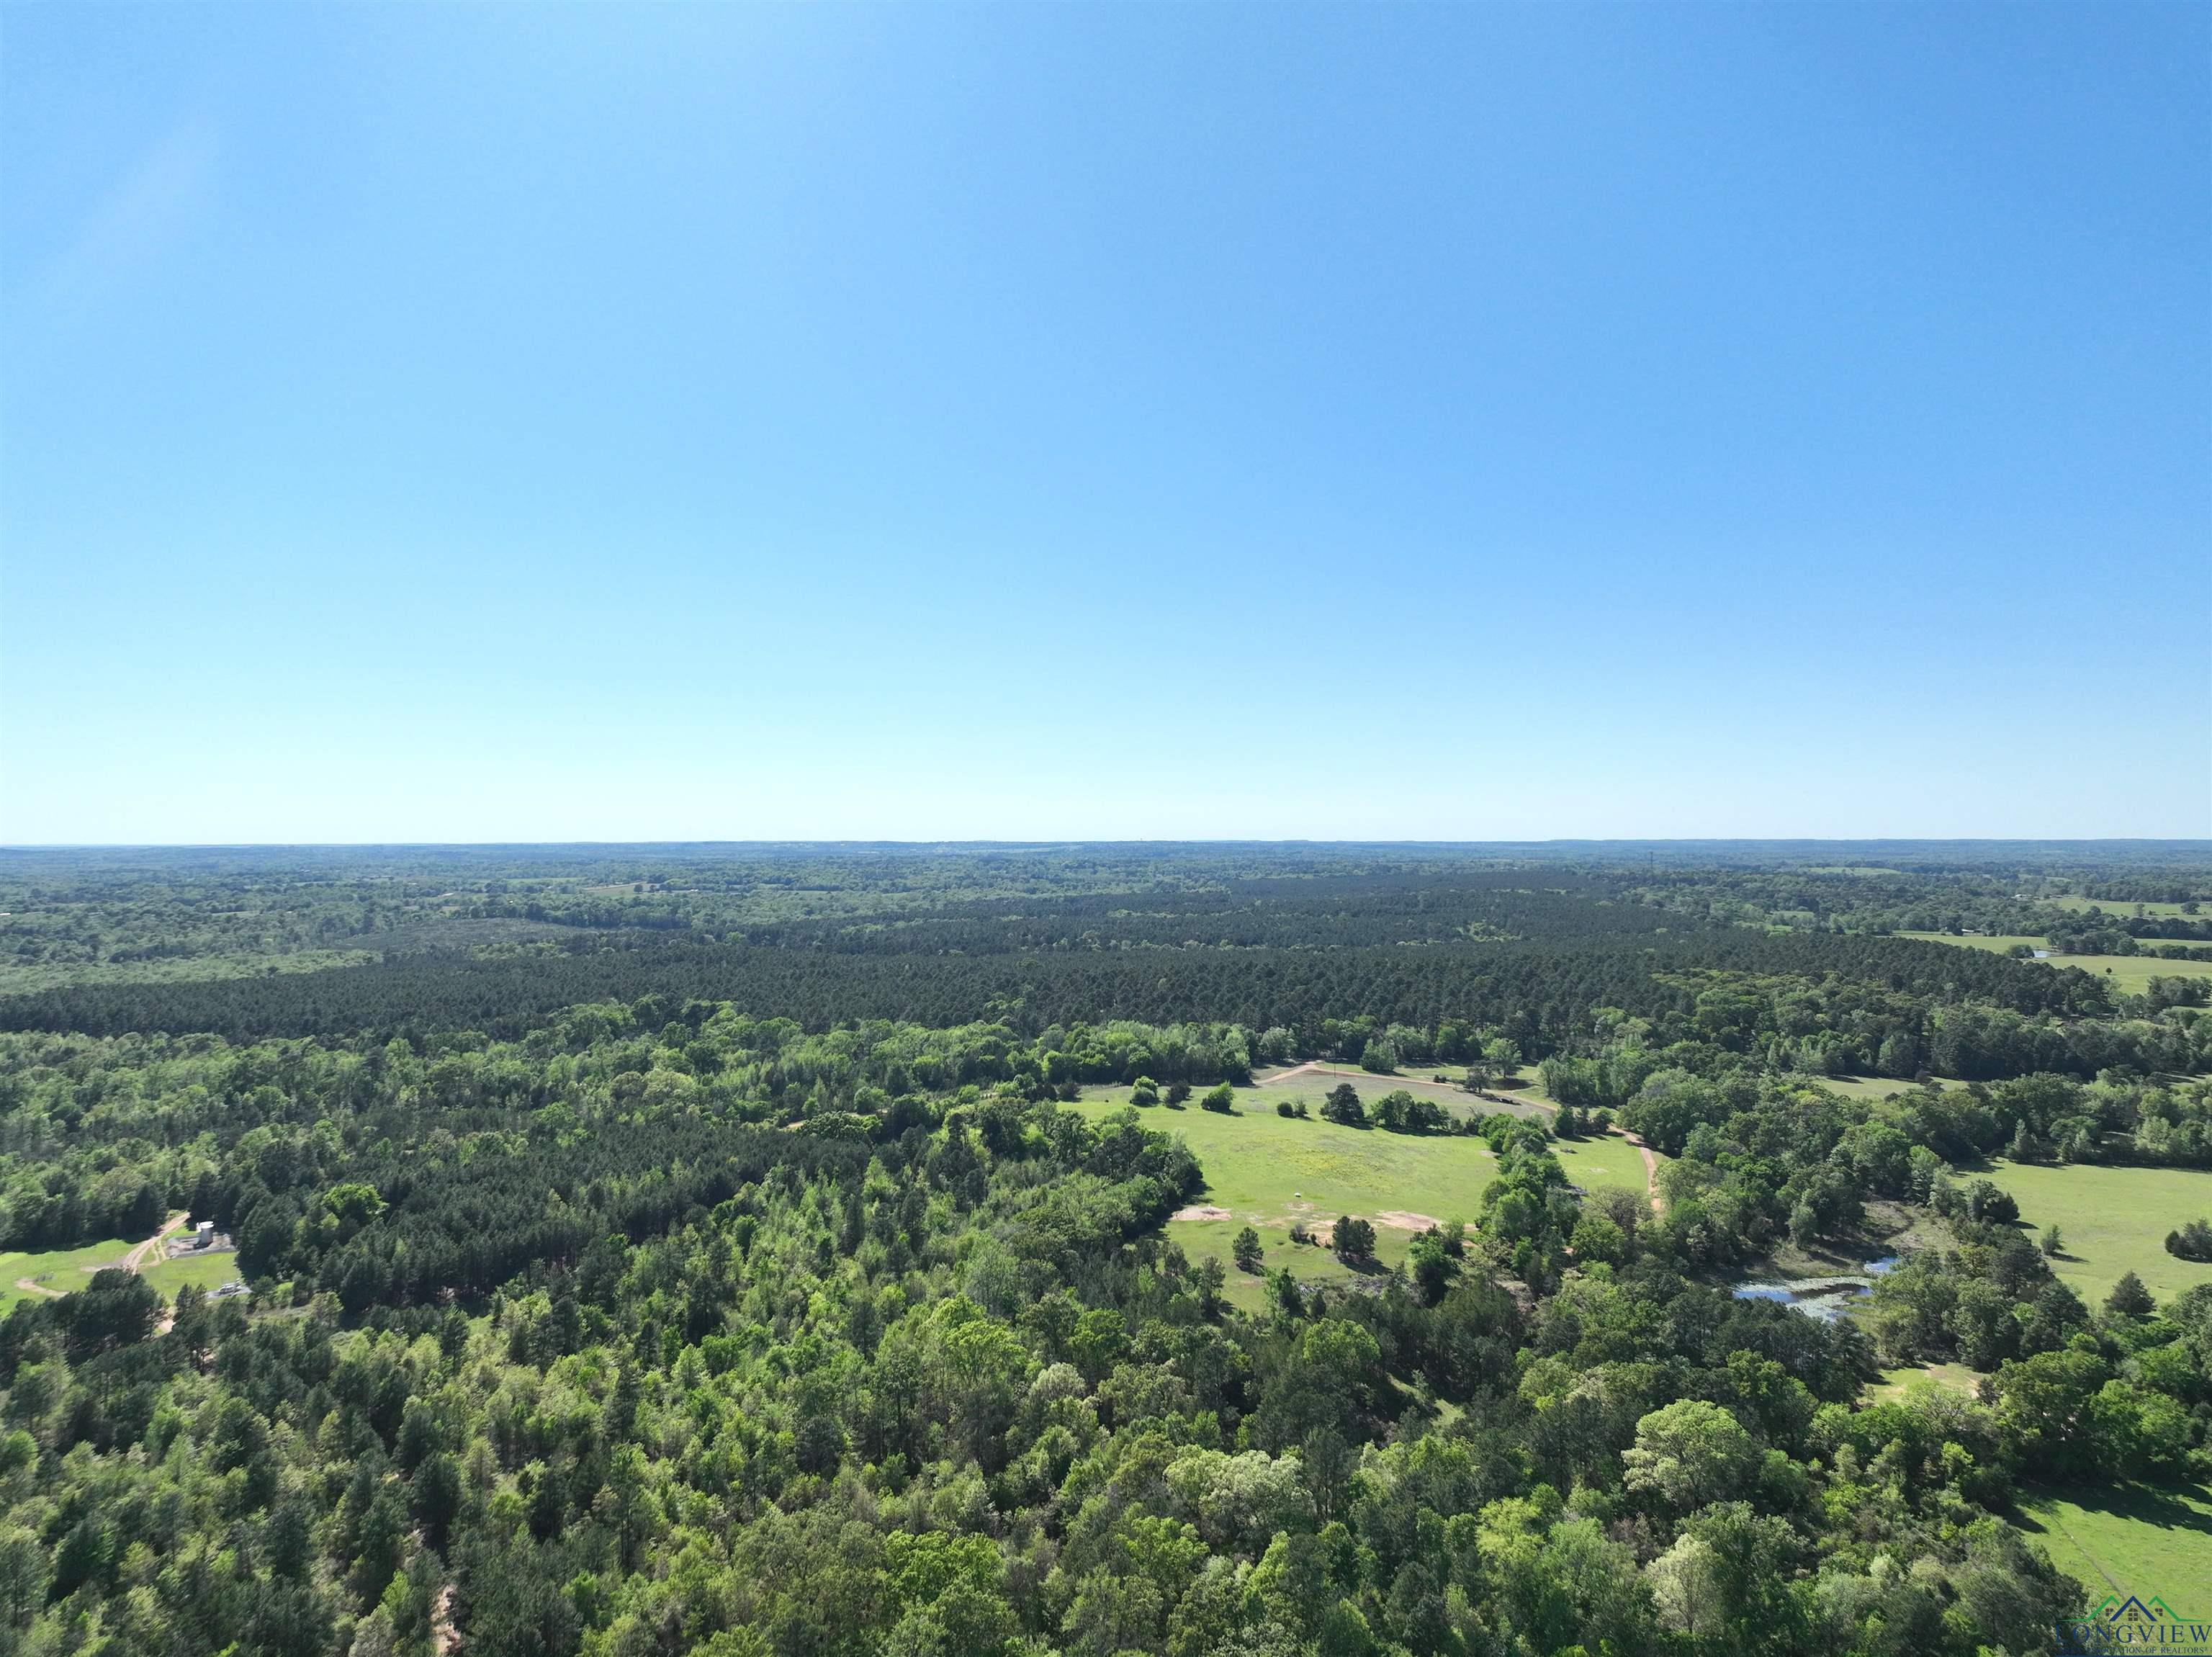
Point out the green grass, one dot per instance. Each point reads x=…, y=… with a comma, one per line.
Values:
x=2130, y=1539
x=2001, y=943
x=2133, y=974
x=2079, y=905
x=1865, y=1087
x=2130, y=973
x=1607, y=1161
x=203, y=1270
x=2113, y=1220
x=62, y=1270
x=1269, y=1171
x=1956, y=1376
x=1314, y=1085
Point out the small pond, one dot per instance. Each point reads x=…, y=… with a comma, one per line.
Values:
x=1825, y=1298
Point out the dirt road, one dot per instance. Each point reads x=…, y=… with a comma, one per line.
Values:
x=137, y=1258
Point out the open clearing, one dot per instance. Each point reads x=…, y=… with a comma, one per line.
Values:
x=57, y=1271
x=1609, y=1161
x=1865, y=1087
x=1312, y=1083
x=2078, y=904
x=2112, y=1220
x=1269, y=1171
x=2130, y=973
x=2003, y=943
x=2128, y=1540
x=1956, y=1376
x=205, y=1271
x=63, y=1271
x=2133, y=974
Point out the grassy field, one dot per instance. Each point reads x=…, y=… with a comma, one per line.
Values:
x=1312, y=1087
x=2113, y=1220
x=1956, y=1376
x=1270, y=1171
x=2130, y=973
x=2133, y=974
x=62, y=1270
x=59, y=1269
x=2001, y=943
x=2079, y=905
x=205, y=1271
x=1607, y=1161
x=1865, y=1087
x=2132, y=1539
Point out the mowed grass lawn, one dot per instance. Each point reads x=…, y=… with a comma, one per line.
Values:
x=203, y=1270
x=2130, y=1539
x=1270, y=1171
x=62, y=1270
x=1609, y=1161
x=2112, y=1220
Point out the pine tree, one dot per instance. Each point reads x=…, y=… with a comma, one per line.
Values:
x=2129, y=1298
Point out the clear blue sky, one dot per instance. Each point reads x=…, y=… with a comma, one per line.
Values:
x=728, y=422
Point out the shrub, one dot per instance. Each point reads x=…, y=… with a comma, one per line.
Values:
x=2193, y=1242
x=1342, y=1106
x=1222, y=1098
x=1353, y=1239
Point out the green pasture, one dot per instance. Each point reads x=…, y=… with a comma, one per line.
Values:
x=62, y=1270
x=1865, y=1087
x=1270, y=1171
x=2130, y=974
x=1314, y=1085
x=1610, y=1160
x=201, y=1270
x=2133, y=974
x=1956, y=1376
x=2113, y=1220
x=2003, y=943
x=2130, y=1538
x=2079, y=905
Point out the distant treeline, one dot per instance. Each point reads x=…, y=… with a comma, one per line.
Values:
x=1539, y=994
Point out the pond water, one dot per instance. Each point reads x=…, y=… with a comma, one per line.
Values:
x=1825, y=1298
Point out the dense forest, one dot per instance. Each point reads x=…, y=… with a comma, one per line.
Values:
x=726, y=1250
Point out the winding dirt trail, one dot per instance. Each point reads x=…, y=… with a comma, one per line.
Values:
x=1650, y=1171
x=135, y=1260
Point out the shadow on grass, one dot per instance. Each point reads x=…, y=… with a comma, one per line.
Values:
x=2167, y=1508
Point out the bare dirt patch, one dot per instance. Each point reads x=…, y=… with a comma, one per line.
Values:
x=1404, y=1220
x=1201, y=1211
